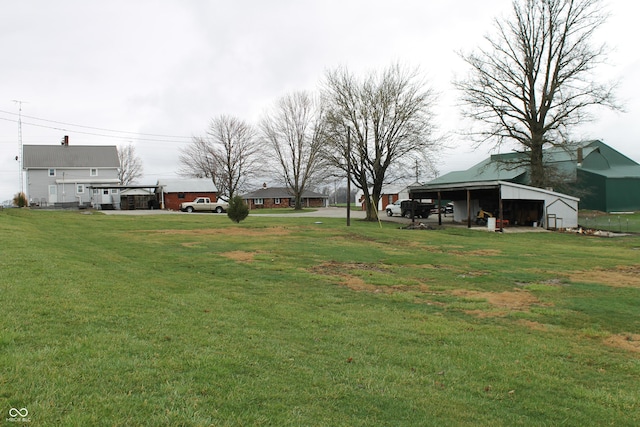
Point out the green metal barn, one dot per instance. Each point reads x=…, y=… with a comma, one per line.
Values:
x=603, y=178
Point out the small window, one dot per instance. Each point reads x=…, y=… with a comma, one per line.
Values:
x=52, y=172
x=181, y=196
x=94, y=172
x=80, y=189
x=114, y=191
x=276, y=201
x=105, y=192
x=258, y=201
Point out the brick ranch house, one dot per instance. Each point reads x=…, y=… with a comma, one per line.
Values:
x=172, y=192
x=282, y=197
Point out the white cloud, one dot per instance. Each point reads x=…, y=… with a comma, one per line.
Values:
x=169, y=66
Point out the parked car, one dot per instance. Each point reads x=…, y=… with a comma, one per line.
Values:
x=405, y=208
x=395, y=208
x=204, y=204
x=416, y=209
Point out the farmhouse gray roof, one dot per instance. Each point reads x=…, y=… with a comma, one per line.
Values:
x=280, y=192
x=70, y=156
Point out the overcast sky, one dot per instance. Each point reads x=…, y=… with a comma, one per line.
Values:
x=119, y=71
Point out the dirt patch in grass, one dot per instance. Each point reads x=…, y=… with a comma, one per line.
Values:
x=510, y=300
x=357, y=284
x=627, y=276
x=228, y=231
x=240, y=256
x=343, y=271
x=630, y=342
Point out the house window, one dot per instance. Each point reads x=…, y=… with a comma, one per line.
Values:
x=105, y=192
x=276, y=201
x=114, y=191
x=79, y=188
x=180, y=195
x=94, y=172
x=258, y=201
x=52, y=172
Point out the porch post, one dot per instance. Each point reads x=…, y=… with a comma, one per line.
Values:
x=439, y=209
x=468, y=208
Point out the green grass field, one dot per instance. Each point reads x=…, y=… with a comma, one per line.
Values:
x=192, y=320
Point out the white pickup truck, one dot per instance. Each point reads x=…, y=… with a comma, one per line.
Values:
x=204, y=204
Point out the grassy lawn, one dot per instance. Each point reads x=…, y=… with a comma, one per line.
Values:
x=192, y=320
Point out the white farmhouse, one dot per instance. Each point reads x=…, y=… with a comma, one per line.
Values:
x=64, y=175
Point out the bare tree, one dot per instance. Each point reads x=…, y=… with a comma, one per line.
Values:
x=293, y=131
x=388, y=116
x=227, y=155
x=534, y=80
x=130, y=164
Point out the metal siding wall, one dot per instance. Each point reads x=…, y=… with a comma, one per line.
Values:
x=594, y=190
x=623, y=195
x=564, y=209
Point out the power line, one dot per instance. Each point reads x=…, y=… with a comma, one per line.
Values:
x=94, y=128
x=99, y=134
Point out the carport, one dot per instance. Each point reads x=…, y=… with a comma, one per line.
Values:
x=511, y=204
x=127, y=196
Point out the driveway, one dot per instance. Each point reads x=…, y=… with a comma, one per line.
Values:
x=330, y=212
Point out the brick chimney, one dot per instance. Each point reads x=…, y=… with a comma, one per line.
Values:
x=65, y=141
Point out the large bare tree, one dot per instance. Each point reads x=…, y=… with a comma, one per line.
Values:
x=130, y=164
x=388, y=117
x=293, y=131
x=534, y=80
x=228, y=154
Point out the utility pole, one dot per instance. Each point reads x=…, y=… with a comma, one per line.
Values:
x=348, y=176
x=20, y=150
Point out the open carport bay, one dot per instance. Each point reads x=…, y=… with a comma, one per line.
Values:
x=510, y=203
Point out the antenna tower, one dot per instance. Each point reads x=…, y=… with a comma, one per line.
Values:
x=20, y=151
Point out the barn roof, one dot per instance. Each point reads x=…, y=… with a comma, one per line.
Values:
x=597, y=157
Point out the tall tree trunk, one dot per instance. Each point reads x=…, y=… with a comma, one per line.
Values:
x=537, y=163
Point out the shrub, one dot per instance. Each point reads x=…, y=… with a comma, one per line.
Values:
x=20, y=200
x=238, y=209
